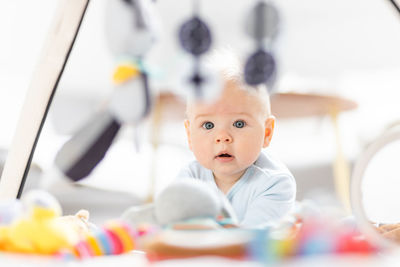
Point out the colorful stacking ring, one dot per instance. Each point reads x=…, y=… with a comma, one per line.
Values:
x=124, y=234
x=115, y=241
x=114, y=238
x=96, y=246
x=83, y=250
x=104, y=241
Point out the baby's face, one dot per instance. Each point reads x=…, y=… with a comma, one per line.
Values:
x=228, y=135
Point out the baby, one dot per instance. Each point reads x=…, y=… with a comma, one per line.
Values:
x=227, y=137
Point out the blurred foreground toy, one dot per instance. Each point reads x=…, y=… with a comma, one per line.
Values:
x=309, y=234
x=188, y=204
x=79, y=222
x=37, y=230
x=113, y=238
x=9, y=211
x=175, y=244
x=40, y=229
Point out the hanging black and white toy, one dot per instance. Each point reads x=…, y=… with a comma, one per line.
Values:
x=262, y=26
x=130, y=34
x=195, y=38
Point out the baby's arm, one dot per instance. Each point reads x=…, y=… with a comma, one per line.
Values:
x=271, y=203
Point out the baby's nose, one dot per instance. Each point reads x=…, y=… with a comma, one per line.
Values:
x=223, y=138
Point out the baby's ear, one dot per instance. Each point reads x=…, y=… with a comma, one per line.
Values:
x=268, y=130
x=187, y=128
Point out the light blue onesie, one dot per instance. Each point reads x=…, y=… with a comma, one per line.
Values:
x=264, y=193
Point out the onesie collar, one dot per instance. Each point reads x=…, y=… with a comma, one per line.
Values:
x=239, y=183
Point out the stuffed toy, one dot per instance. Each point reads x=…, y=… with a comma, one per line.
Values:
x=185, y=204
x=39, y=227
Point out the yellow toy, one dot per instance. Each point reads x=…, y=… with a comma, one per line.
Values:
x=41, y=230
x=78, y=222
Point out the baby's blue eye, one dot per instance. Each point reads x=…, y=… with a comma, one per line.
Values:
x=239, y=124
x=208, y=125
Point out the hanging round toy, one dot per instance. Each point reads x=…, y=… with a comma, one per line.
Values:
x=262, y=26
x=263, y=22
x=195, y=38
x=259, y=68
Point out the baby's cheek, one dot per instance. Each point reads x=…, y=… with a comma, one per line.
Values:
x=203, y=158
x=201, y=151
x=250, y=150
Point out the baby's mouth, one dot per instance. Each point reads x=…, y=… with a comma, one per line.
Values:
x=224, y=155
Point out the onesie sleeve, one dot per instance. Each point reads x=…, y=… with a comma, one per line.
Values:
x=271, y=202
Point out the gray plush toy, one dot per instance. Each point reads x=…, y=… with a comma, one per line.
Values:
x=181, y=201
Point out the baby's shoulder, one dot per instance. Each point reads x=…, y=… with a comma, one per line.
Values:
x=268, y=177
x=268, y=171
x=278, y=185
x=270, y=164
x=194, y=170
